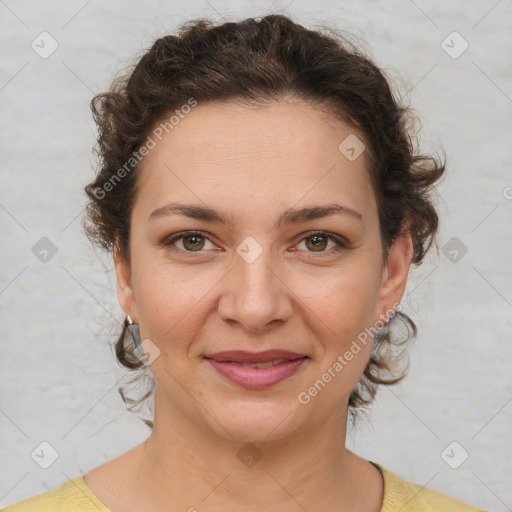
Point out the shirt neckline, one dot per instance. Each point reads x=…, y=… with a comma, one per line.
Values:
x=87, y=492
x=85, y=489
x=385, y=499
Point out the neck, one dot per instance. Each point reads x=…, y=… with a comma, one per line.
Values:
x=193, y=468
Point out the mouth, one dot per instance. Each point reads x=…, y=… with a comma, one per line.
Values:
x=256, y=370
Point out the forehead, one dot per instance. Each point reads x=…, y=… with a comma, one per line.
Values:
x=290, y=127
x=282, y=152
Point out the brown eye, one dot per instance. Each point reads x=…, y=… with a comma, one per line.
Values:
x=193, y=242
x=318, y=242
x=315, y=242
x=190, y=242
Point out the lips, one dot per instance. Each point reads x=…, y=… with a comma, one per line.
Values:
x=243, y=357
x=256, y=370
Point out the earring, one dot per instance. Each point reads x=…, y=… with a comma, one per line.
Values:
x=133, y=328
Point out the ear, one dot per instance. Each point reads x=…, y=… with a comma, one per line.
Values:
x=395, y=272
x=124, y=284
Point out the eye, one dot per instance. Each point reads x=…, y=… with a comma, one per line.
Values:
x=317, y=241
x=191, y=241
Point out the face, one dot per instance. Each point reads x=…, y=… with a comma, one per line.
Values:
x=252, y=232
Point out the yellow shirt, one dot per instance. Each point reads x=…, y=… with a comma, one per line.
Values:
x=399, y=495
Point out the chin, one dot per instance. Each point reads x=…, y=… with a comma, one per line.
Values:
x=263, y=422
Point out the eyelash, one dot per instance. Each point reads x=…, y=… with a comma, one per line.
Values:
x=341, y=245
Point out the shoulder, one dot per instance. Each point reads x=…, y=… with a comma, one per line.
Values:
x=71, y=496
x=399, y=494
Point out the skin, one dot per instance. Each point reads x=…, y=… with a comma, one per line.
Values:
x=252, y=164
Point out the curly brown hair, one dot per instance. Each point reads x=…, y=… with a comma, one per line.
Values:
x=258, y=60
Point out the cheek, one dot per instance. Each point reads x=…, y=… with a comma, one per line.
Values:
x=170, y=300
x=345, y=315
x=348, y=300
x=345, y=332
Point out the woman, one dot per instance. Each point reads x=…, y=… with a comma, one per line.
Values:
x=263, y=201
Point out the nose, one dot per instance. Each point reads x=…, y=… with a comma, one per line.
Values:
x=255, y=294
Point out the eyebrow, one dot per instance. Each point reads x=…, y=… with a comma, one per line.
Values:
x=290, y=216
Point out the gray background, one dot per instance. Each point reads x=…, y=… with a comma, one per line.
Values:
x=59, y=378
